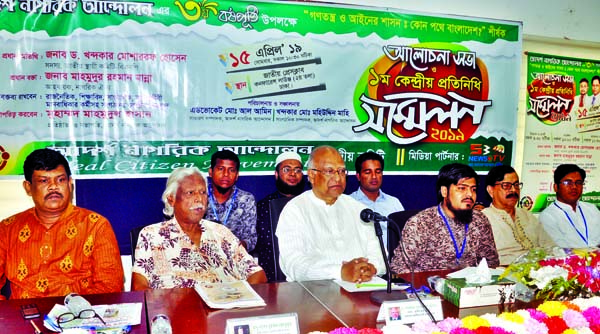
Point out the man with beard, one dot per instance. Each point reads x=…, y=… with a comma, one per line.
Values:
x=516, y=230
x=55, y=247
x=187, y=249
x=369, y=172
x=290, y=182
x=320, y=232
x=451, y=234
x=570, y=222
x=228, y=204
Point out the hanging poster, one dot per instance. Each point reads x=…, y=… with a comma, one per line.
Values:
x=562, y=126
x=143, y=87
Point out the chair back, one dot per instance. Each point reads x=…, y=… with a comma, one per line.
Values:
x=6, y=291
x=134, y=234
x=400, y=218
x=275, y=207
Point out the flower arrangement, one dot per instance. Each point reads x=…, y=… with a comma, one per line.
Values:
x=580, y=315
x=559, y=274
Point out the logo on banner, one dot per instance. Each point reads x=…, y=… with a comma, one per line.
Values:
x=4, y=156
x=422, y=94
x=551, y=97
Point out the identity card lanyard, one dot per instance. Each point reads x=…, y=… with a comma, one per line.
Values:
x=585, y=239
x=459, y=254
x=212, y=200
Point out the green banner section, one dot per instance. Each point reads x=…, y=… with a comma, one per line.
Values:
x=63, y=17
x=130, y=158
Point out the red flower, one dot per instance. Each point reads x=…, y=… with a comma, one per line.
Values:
x=556, y=325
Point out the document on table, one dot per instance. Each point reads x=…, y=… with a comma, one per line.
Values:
x=376, y=283
x=114, y=316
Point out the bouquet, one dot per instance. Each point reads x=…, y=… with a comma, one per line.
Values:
x=557, y=274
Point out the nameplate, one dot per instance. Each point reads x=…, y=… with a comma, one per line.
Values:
x=408, y=311
x=286, y=323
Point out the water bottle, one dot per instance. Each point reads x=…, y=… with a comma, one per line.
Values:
x=76, y=304
x=161, y=325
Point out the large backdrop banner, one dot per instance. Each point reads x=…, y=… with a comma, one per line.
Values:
x=142, y=87
x=562, y=125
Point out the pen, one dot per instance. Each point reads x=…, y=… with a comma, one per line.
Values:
x=378, y=285
x=371, y=285
x=36, y=329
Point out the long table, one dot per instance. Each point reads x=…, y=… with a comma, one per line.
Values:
x=189, y=314
x=320, y=306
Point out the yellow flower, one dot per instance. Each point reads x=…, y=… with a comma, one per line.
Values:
x=473, y=322
x=570, y=331
x=512, y=317
x=552, y=308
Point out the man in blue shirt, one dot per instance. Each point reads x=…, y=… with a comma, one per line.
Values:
x=369, y=172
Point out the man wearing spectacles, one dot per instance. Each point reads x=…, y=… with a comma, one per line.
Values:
x=369, y=172
x=569, y=221
x=289, y=180
x=516, y=230
x=187, y=249
x=451, y=234
x=320, y=232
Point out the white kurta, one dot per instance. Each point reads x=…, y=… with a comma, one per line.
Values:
x=314, y=238
x=563, y=233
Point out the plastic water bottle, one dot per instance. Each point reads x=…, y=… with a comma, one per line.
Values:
x=76, y=304
x=161, y=324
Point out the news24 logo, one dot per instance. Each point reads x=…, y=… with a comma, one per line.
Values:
x=485, y=153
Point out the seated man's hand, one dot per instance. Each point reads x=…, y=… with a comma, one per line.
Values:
x=358, y=270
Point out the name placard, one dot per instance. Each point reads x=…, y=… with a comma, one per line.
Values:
x=408, y=311
x=286, y=323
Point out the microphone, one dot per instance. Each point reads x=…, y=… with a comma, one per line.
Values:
x=368, y=215
x=378, y=297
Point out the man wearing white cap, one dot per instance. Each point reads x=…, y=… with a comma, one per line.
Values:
x=290, y=182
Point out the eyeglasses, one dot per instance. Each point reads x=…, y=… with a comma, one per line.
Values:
x=84, y=314
x=331, y=172
x=508, y=185
x=296, y=170
x=569, y=183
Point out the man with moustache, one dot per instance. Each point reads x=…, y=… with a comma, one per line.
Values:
x=290, y=182
x=228, y=204
x=187, y=249
x=570, y=222
x=55, y=247
x=516, y=230
x=320, y=232
x=369, y=172
x=451, y=234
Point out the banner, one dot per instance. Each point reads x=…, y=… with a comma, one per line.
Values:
x=142, y=87
x=562, y=126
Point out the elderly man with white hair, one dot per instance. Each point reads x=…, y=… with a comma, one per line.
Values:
x=187, y=249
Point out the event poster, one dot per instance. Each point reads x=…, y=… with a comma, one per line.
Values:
x=562, y=126
x=143, y=87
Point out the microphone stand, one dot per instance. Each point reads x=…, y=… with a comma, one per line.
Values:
x=378, y=297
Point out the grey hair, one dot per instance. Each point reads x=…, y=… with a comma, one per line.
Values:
x=173, y=185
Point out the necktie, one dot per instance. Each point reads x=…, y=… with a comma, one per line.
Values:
x=593, y=99
x=581, y=101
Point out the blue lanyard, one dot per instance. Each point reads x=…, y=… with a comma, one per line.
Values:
x=212, y=200
x=459, y=254
x=585, y=239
